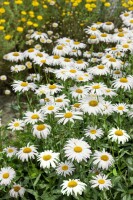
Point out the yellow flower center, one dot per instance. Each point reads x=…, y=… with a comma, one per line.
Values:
x=24, y=84
x=119, y=133
x=80, y=78
x=58, y=100
x=6, y=175
x=125, y=46
x=59, y=47
x=93, y=28
x=67, y=60
x=96, y=87
x=103, y=35
x=120, y=108
x=27, y=150
x=76, y=105
x=35, y=116
x=108, y=90
x=93, y=103
x=15, y=54
x=67, y=40
x=104, y=158
x=10, y=150
x=101, y=181
x=39, y=33
x=73, y=70
x=52, y=87
x=16, y=188
x=123, y=80
x=108, y=23
x=64, y=167
x=41, y=127
x=120, y=34
x=56, y=57
x=79, y=91
x=39, y=55
x=76, y=43
x=16, y=124
x=117, y=72
x=68, y=115
x=100, y=66
x=72, y=184
x=74, y=50
x=47, y=157
x=108, y=56
x=126, y=14
x=112, y=59
x=79, y=61
x=47, y=99
x=93, y=131
x=93, y=37
x=30, y=50
x=43, y=61
x=113, y=48
x=51, y=108
x=78, y=149
x=131, y=21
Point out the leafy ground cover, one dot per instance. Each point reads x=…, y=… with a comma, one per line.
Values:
x=72, y=138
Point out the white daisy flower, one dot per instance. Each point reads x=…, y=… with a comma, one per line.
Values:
x=103, y=159
x=125, y=15
x=61, y=101
x=41, y=130
x=7, y=174
x=119, y=37
x=61, y=50
x=23, y=86
x=125, y=83
x=48, y=159
x=108, y=26
x=93, y=39
x=16, y=125
x=53, y=88
x=18, y=68
x=75, y=52
x=34, y=77
x=112, y=62
x=76, y=107
x=93, y=132
x=66, y=62
x=17, y=191
x=30, y=52
x=27, y=152
x=73, y=187
x=92, y=105
x=118, y=135
x=110, y=92
x=73, y=72
x=108, y=108
x=65, y=168
x=69, y=115
x=116, y=73
x=101, y=181
x=121, y=108
x=99, y=70
x=104, y=37
x=77, y=45
x=128, y=22
x=77, y=149
x=33, y=117
x=10, y=151
x=78, y=92
x=92, y=30
x=54, y=60
x=61, y=74
x=50, y=108
x=41, y=90
x=96, y=88
x=37, y=35
x=81, y=64
x=14, y=56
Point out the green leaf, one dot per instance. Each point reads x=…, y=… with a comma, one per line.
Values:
x=37, y=179
x=114, y=172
